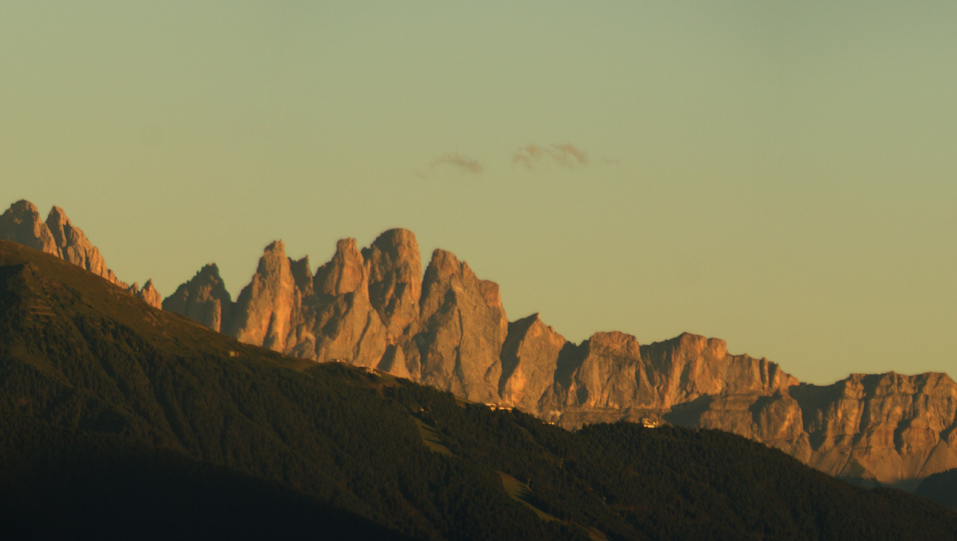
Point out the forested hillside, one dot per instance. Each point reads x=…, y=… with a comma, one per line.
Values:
x=124, y=421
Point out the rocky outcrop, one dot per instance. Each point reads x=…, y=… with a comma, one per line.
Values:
x=395, y=289
x=448, y=329
x=148, y=294
x=57, y=236
x=888, y=427
x=345, y=326
x=885, y=428
x=326, y=317
x=395, y=281
x=530, y=356
x=613, y=372
x=690, y=366
x=465, y=327
x=265, y=307
x=203, y=298
x=73, y=246
x=22, y=224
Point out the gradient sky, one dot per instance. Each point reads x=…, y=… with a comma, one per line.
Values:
x=779, y=175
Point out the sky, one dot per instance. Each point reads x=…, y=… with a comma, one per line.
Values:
x=781, y=175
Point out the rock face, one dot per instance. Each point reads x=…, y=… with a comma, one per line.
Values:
x=395, y=289
x=888, y=427
x=611, y=373
x=325, y=317
x=148, y=294
x=345, y=326
x=530, y=356
x=448, y=329
x=204, y=299
x=395, y=281
x=265, y=307
x=465, y=327
x=21, y=223
x=74, y=247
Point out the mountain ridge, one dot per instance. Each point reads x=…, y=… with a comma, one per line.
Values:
x=375, y=307
x=123, y=419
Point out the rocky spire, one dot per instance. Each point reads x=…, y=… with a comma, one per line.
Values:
x=75, y=247
x=464, y=328
x=148, y=294
x=529, y=359
x=21, y=223
x=395, y=280
x=345, y=273
x=264, y=307
x=344, y=325
x=203, y=299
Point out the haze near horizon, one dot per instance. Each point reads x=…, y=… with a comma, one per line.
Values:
x=778, y=176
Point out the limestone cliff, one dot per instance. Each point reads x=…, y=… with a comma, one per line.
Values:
x=395, y=288
x=447, y=328
x=265, y=307
x=57, y=236
x=530, y=356
x=889, y=427
x=345, y=325
x=612, y=373
x=21, y=223
x=464, y=327
x=74, y=247
x=148, y=294
x=395, y=281
x=203, y=298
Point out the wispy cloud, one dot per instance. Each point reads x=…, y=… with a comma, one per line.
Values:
x=566, y=155
x=460, y=162
x=569, y=155
x=532, y=156
x=529, y=156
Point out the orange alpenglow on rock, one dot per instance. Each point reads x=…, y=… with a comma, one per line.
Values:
x=57, y=236
x=447, y=328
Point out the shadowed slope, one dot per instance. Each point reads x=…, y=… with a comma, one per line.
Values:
x=117, y=401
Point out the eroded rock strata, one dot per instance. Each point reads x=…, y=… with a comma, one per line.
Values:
x=147, y=294
x=446, y=327
x=203, y=298
x=21, y=223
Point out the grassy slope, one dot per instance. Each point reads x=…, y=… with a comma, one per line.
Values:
x=141, y=414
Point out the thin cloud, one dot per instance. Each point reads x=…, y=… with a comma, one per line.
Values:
x=529, y=156
x=566, y=155
x=460, y=162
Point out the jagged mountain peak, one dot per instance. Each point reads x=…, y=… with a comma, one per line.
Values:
x=148, y=294
x=344, y=273
x=446, y=327
x=21, y=223
x=57, y=236
x=203, y=298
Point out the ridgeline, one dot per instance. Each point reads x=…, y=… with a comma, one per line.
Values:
x=124, y=421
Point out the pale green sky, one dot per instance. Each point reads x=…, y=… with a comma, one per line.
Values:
x=779, y=175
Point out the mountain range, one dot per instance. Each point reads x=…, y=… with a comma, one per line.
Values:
x=445, y=327
x=123, y=421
